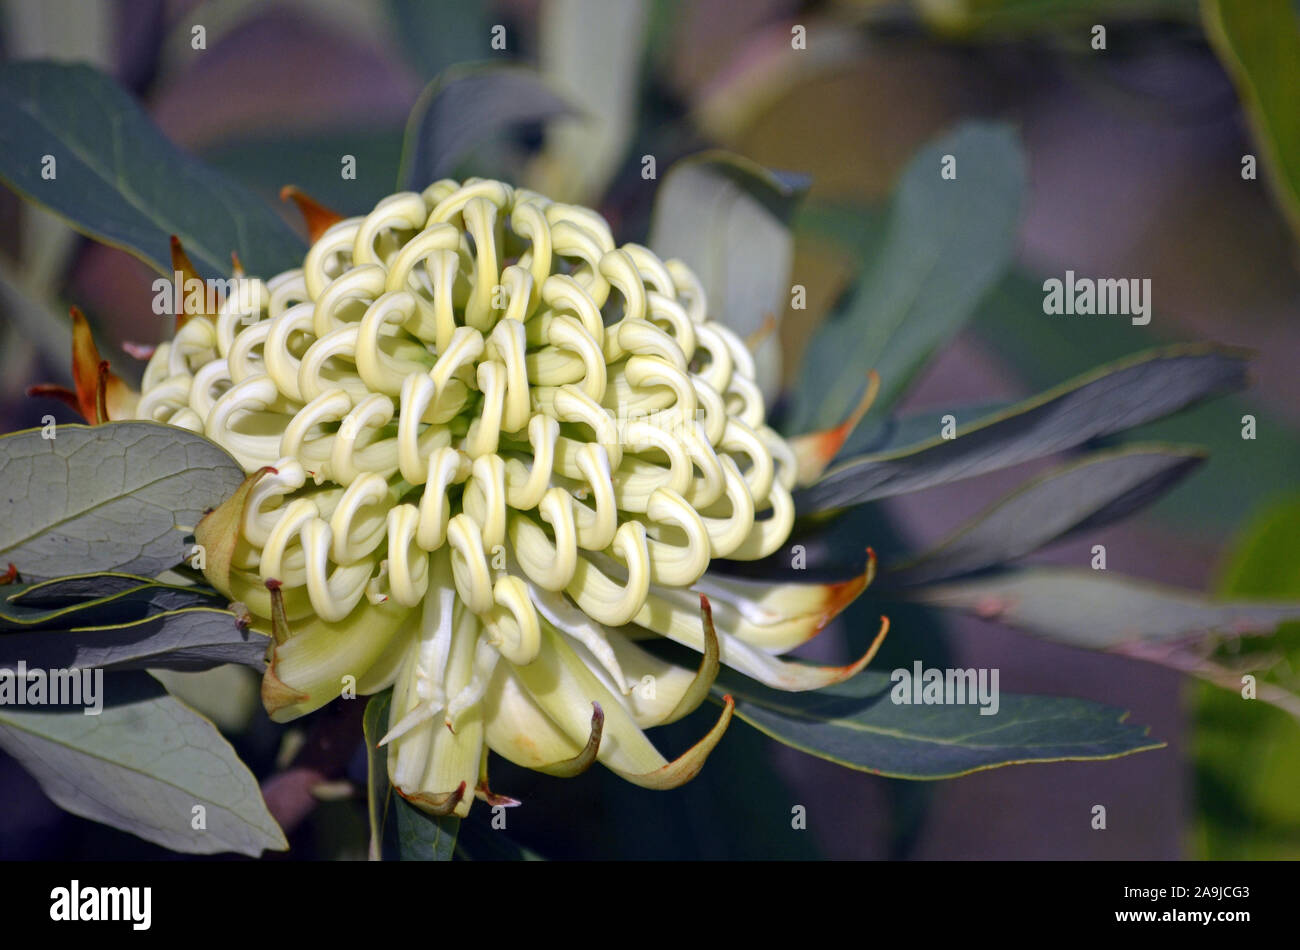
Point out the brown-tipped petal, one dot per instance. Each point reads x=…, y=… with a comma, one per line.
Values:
x=799, y=677
x=815, y=450
x=485, y=794
x=773, y=617
x=564, y=687
x=277, y=694
x=87, y=367
x=219, y=532
x=875, y=645
x=709, y=665
x=746, y=644
x=805, y=676
x=483, y=791
x=62, y=393
x=101, y=393
x=667, y=614
x=516, y=726
x=236, y=266
x=318, y=218
x=312, y=667
x=842, y=593
x=119, y=399
x=279, y=622
x=435, y=804
x=687, y=765
x=759, y=336
x=181, y=264
x=584, y=760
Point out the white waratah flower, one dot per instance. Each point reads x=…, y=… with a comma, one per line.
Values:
x=489, y=451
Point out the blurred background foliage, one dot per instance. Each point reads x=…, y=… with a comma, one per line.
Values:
x=1133, y=161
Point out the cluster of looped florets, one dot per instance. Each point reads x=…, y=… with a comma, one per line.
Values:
x=457, y=368
x=472, y=401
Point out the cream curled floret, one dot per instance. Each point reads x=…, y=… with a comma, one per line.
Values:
x=488, y=451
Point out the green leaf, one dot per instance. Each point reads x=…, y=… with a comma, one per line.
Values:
x=857, y=724
x=857, y=229
x=477, y=842
x=1092, y=609
x=395, y=824
x=422, y=837
x=1107, y=400
x=32, y=315
x=1259, y=45
x=143, y=765
x=191, y=639
x=378, y=792
x=95, y=600
x=120, y=181
x=229, y=695
x=729, y=220
x=1084, y=495
x=433, y=37
x=947, y=243
x=463, y=108
x=1240, y=474
x=1016, y=18
x=118, y=497
x=267, y=162
x=1265, y=561
x=77, y=589
x=913, y=428
x=1247, y=753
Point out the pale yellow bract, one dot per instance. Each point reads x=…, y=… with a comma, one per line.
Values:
x=489, y=450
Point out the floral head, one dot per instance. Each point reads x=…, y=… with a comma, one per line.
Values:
x=489, y=450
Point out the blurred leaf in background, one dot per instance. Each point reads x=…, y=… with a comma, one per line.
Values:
x=435, y=34
x=950, y=238
x=1018, y=17
x=75, y=31
x=729, y=219
x=462, y=109
x=311, y=162
x=1258, y=43
x=852, y=724
x=1240, y=474
x=118, y=179
x=1247, y=752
